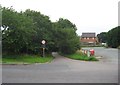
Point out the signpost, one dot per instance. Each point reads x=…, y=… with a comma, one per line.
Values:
x=43, y=42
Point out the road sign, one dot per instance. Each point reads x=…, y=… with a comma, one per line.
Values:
x=43, y=42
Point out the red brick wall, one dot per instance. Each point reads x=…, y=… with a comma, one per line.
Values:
x=88, y=40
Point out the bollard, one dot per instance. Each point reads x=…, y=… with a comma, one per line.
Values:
x=92, y=52
x=85, y=52
x=88, y=53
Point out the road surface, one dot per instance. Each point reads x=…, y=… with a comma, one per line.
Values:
x=109, y=55
x=64, y=70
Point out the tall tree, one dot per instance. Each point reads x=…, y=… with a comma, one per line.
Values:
x=17, y=31
x=102, y=37
x=66, y=39
x=43, y=29
x=24, y=31
x=113, y=37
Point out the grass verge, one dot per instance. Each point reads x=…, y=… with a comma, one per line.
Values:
x=25, y=59
x=81, y=56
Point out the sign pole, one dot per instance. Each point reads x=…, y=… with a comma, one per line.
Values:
x=43, y=52
x=43, y=42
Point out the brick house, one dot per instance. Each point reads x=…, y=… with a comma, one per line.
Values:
x=88, y=39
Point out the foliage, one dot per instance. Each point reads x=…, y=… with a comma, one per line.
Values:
x=102, y=37
x=17, y=32
x=43, y=29
x=65, y=23
x=23, y=32
x=66, y=39
x=113, y=37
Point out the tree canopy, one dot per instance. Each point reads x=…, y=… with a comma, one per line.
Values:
x=102, y=37
x=113, y=37
x=23, y=32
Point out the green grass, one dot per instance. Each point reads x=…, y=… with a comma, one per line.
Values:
x=0, y=60
x=26, y=59
x=81, y=56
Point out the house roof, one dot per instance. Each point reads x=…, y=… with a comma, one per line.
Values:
x=88, y=35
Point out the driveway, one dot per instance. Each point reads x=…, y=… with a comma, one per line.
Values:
x=62, y=70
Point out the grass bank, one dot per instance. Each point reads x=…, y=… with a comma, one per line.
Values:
x=25, y=59
x=80, y=56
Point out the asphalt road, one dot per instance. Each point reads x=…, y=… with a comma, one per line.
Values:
x=109, y=55
x=64, y=70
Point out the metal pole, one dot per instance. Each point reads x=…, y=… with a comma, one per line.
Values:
x=43, y=52
x=43, y=42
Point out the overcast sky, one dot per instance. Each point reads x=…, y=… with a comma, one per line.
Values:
x=88, y=15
